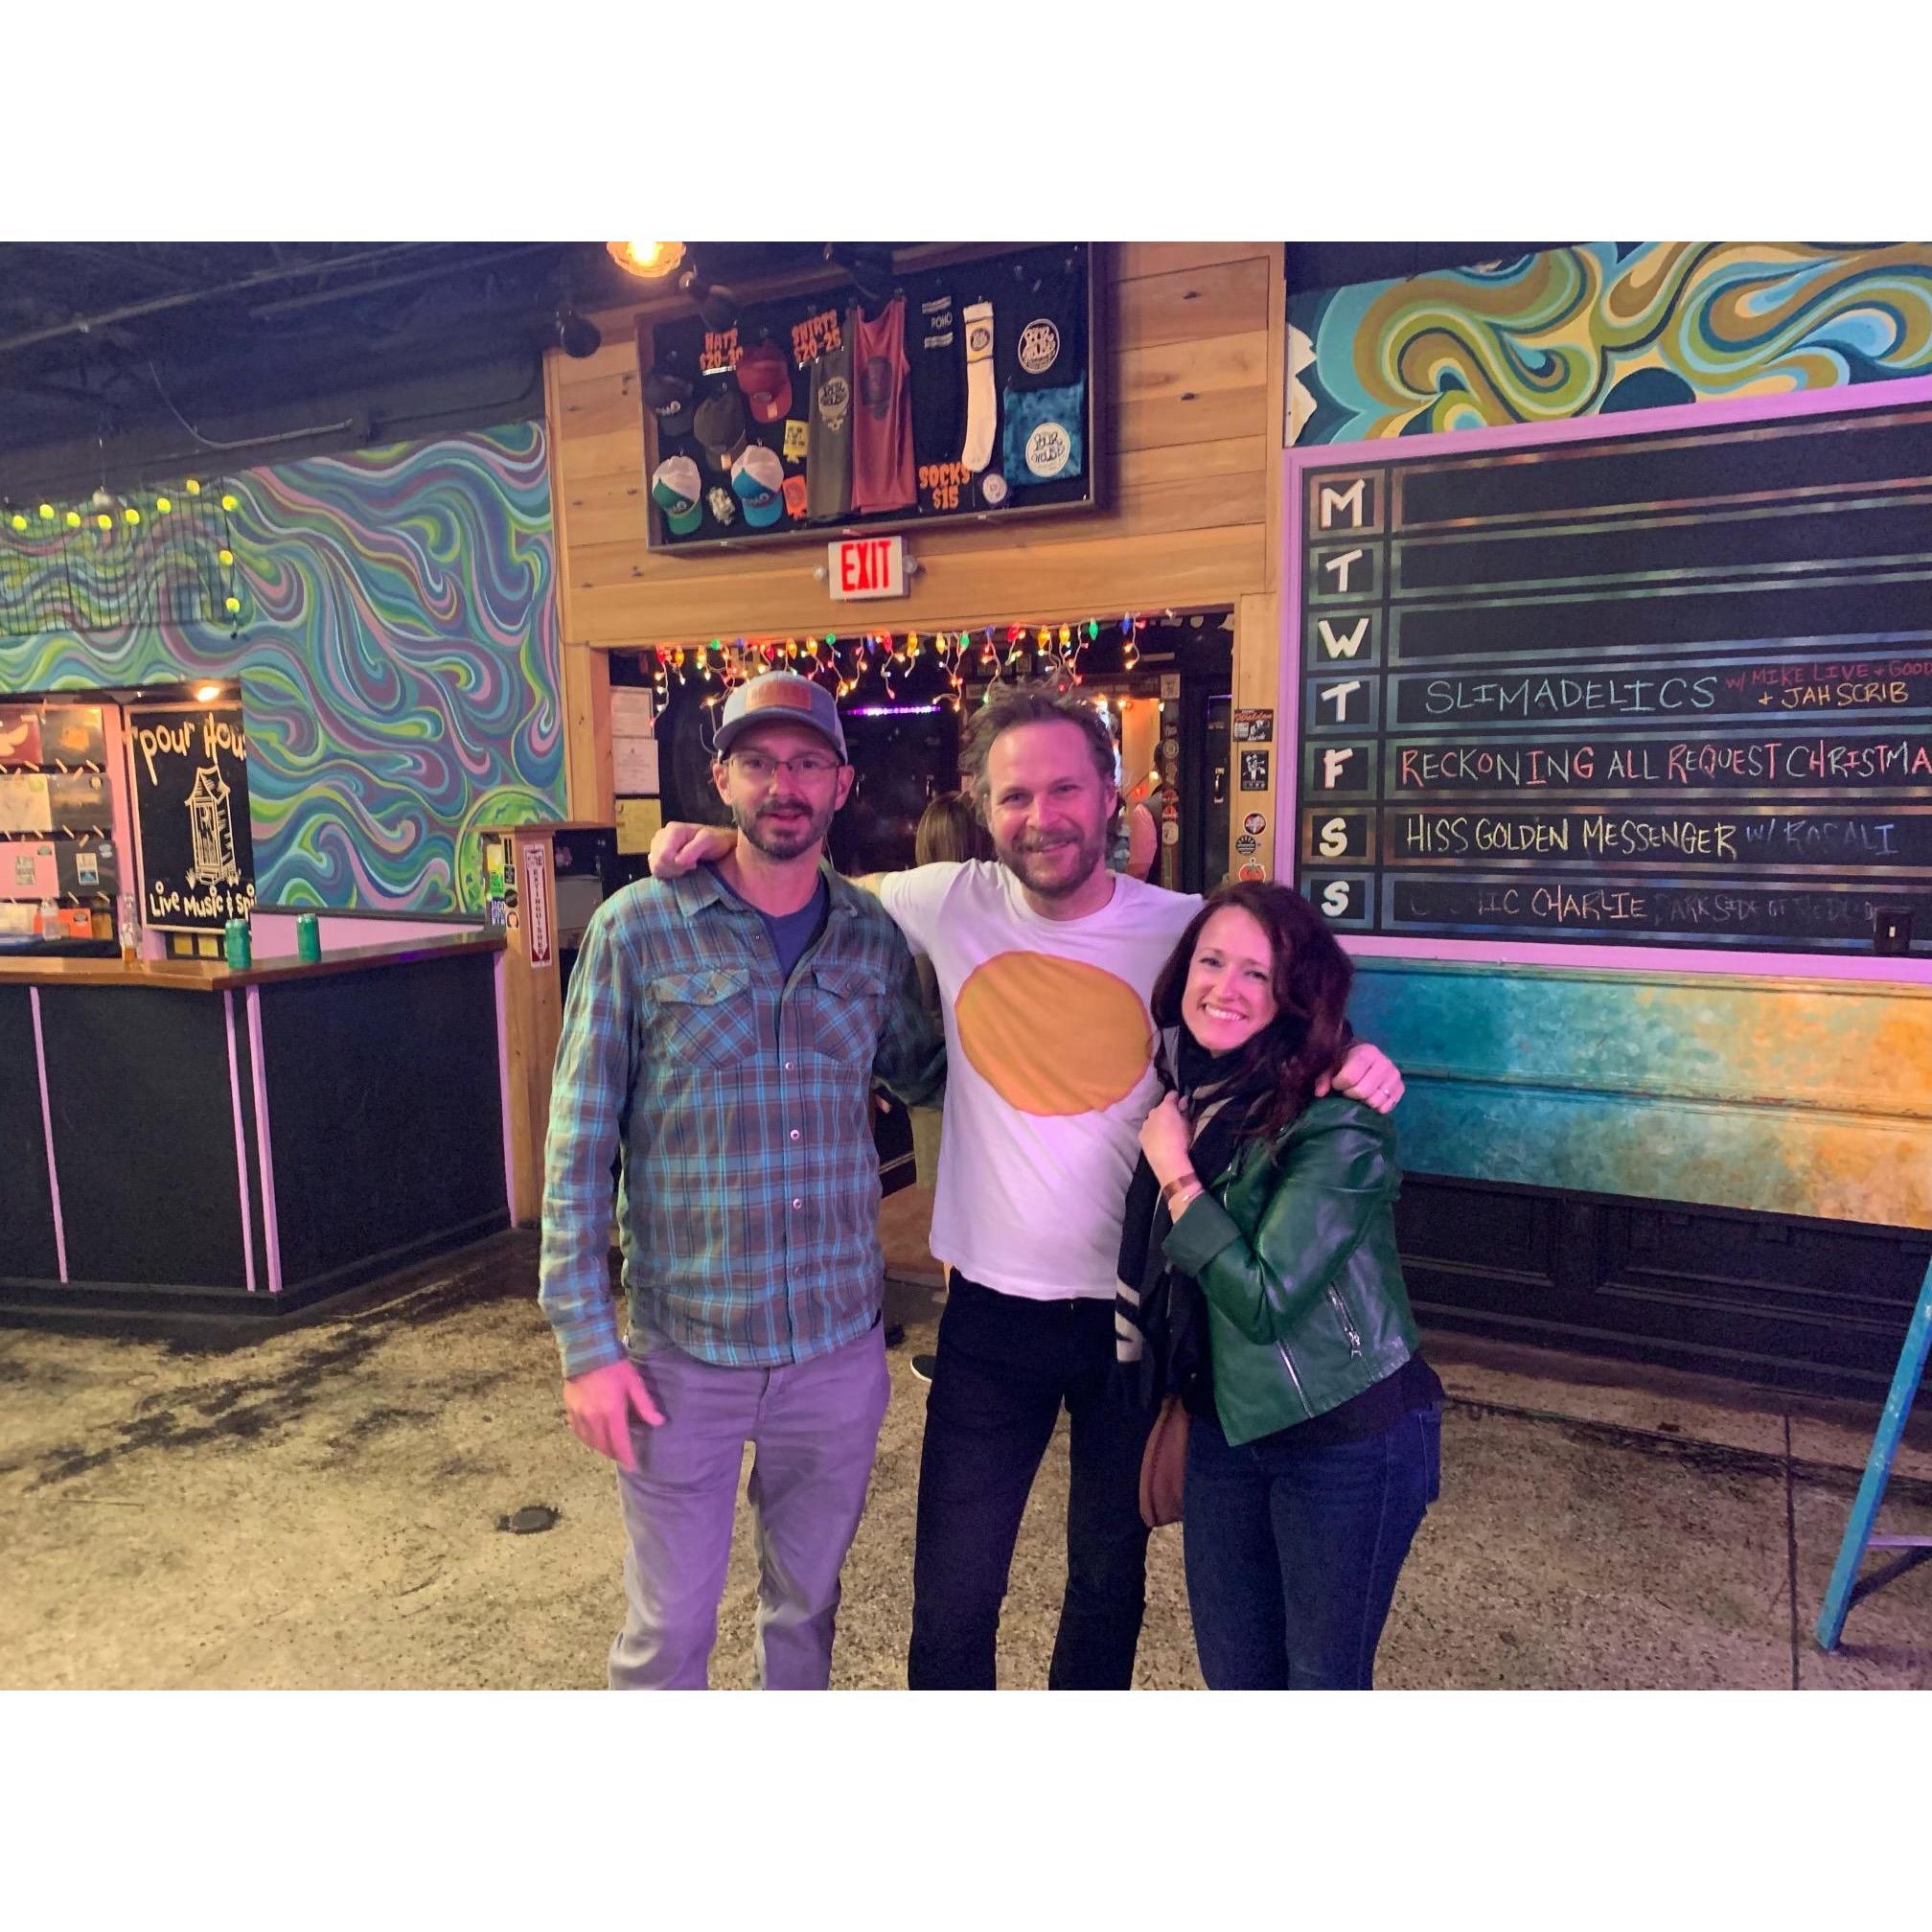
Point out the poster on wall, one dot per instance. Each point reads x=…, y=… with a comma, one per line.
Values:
x=969, y=391
x=190, y=765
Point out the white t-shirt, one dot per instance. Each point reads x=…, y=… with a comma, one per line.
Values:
x=1049, y=1069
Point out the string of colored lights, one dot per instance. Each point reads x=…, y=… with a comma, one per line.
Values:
x=843, y=663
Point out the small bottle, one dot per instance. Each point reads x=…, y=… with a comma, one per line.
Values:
x=129, y=922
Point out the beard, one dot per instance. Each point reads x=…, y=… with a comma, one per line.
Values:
x=783, y=828
x=1040, y=864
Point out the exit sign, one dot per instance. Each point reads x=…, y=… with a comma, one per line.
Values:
x=866, y=566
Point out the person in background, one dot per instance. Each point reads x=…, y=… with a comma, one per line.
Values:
x=1143, y=843
x=949, y=833
x=1260, y=1283
x=725, y=1030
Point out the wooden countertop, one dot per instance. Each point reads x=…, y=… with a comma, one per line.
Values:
x=215, y=976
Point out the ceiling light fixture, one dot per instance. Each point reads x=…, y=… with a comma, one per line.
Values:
x=649, y=261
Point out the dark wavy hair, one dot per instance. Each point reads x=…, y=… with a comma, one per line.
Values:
x=1275, y=1072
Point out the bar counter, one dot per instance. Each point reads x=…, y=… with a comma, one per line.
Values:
x=180, y=1137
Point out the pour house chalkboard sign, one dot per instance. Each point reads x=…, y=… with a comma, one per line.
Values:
x=190, y=815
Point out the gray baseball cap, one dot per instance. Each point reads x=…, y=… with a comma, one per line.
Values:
x=781, y=697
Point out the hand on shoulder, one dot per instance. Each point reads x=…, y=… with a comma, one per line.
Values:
x=681, y=847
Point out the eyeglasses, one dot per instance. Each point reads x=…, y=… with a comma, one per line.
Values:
x=760, y=767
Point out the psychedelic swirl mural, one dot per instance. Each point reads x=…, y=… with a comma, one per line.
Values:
x=398, y=658
x=1606, y=327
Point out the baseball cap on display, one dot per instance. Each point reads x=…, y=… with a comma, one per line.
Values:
x=668, y=398
x=675, y=490
x=720, y=425
x=781, y=697
x=758, y=477
x=766, y=379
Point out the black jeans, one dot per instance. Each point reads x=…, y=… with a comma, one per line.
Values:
x=1292, y=1553
x=1006, y=1366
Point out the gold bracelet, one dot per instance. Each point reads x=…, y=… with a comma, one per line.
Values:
x=1176, y=1195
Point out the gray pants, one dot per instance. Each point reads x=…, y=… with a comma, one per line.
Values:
x=814, y=1427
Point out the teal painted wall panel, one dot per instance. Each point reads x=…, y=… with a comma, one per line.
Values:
x=1785, y=1097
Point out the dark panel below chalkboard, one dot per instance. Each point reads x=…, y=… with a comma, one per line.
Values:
x=27, y=1247
x=144, y=1134
x=1773, y=1297
x=386, y=1115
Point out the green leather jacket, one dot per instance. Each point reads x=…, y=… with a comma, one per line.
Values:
x=1294, y=1247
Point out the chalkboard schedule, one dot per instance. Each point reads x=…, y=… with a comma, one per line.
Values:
x=1672, y=689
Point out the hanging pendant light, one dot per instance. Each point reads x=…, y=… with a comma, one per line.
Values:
x=648, y=261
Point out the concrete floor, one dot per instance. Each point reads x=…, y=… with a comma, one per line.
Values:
x=322, y=1509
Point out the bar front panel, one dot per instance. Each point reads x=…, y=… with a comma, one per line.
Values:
x=144, y=1136
x=27, y=1246
x=386, y=1115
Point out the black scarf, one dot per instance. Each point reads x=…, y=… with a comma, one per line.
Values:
x=1159, y=1318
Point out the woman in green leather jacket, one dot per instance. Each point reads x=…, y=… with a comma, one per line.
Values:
x=1261, y=1283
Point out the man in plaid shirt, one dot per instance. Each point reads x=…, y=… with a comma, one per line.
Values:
x=725, y=1030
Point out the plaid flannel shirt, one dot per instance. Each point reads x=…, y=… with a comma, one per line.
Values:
x=749, y=1201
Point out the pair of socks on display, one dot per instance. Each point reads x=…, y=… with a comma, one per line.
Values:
x=983, y=403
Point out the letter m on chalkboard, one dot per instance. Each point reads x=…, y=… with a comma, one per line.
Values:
x=1345, y=500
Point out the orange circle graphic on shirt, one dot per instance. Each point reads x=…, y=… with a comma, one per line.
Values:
x=1053, y=1036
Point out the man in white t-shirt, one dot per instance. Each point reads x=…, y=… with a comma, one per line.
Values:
x=1045, y=961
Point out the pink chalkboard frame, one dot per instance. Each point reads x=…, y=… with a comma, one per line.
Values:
x=1543, y=435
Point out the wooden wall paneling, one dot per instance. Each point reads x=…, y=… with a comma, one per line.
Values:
x=593, y=408
x=605, y=453
x=1277, y=398
x=587, y=736
x=617, y=358
x=1257, y=619
x=1132, y=261
x=1057, y=580
x=1166, y=462
x=1192, y=304
x=587, y=677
